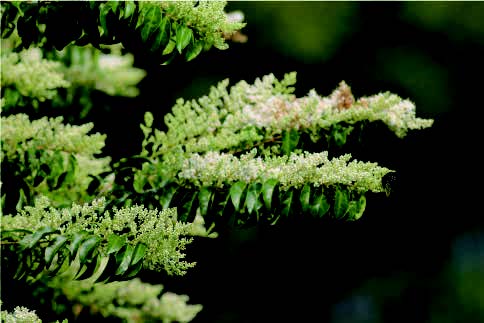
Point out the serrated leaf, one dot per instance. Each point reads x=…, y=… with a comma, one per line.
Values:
x=183, y=36
x=268, y=189
x=305, y=197
x=123, y=258
x=204, y=197
x=29, y=241
x=138, y=253
x=87, y=247
x=290, y=139
x=252, y=199
x=51, y=250
x=115, y=243
x=236, y=191
x=341, y=200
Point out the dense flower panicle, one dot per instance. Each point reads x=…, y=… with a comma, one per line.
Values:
x=32, y=75
x=208, y=18
x=219, y=169
x=248, y=114
x=164, y=236
x=63, y=148
x=21, y=134
x=132, y=301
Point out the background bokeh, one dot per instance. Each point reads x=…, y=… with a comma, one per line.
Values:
x=415, y=256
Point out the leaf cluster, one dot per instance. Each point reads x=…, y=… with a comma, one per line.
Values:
x=48, y=157
x=167, y=28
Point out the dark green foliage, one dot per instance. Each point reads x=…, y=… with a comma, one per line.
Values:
x=82, y=255
x=156, y=26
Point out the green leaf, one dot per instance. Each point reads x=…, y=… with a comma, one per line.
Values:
x=151, y=22
x=169, y=47
x=163, y=34
x=51, y=250
x=287, y=202
x=167, y=195
x=194, y=50
x=236, y=191
x=356, y=208
x=252, y=199
x=115, y=243
x=87, y=248
x=268, y=189
x=130, y=8
x=29, y=241
x=183, y=36
x=304, y=197
x=320, y=205
x=123, y=258
x=290, y=139
x=71, y=168
x=133, y=270
x=204, y=197
x=138, y=253
x=341, y=200
x=77, y=239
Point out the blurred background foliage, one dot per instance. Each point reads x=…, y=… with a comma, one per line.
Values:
x=417, y=255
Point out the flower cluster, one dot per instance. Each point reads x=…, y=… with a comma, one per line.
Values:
x=30, y=75
x=133, y=301
x=219, y=169
x=164, y=236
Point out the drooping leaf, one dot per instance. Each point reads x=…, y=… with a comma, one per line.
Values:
x=183, y=36
x=123, y=258
x=268, y=189
x=115, y=243
x=287, y=202
x=77, y=239
x=252, y=201
x=138, y=253
x=290, y=139
x=356, y=208
x=51, y=250
x=204, y=197
x=194, y=50
x=304, y=197
x=87, y=248
x=319, y=205
x=341, y=200
x=30, y=240
x=236, y=191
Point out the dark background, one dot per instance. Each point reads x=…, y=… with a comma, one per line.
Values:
x=415, y=256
